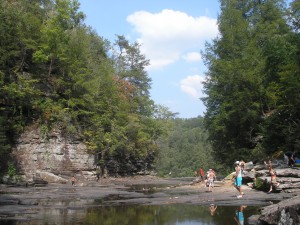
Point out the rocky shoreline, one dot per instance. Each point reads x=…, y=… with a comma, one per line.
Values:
x=46, y=166
x=17, y=203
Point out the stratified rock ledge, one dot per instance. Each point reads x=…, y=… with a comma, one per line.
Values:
x=286, y=212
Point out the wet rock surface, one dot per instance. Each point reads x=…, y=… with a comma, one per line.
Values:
x=21, y=202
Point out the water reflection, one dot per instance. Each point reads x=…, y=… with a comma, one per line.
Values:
x=143, y=215
x=239, y=215
x=212, y=209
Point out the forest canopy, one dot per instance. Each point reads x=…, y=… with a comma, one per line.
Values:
x=253, y=80
x=59, y=73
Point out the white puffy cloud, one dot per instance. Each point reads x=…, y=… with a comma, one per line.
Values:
x=192, y=85
x=192, y=57
x=166, y=35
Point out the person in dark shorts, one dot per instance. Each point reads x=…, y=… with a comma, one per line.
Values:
x=98, y=174
x=73, y=181
x=290, y=157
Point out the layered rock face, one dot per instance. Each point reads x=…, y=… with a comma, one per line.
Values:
x=286, y=212
x=288, y=178
x=51, y=158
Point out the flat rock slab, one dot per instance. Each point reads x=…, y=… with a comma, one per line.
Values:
x=143, y=190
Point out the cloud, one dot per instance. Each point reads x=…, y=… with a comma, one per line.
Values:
x=192, y=57
x=192, y=85
x=166, y=35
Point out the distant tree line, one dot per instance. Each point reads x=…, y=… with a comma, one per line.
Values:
x=253, y=80
x=185, y=149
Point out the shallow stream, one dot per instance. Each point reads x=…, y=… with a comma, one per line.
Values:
x=138, y=204
x=177, y=214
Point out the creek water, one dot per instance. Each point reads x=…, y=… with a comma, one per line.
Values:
x=177, y=214
x=111, y=210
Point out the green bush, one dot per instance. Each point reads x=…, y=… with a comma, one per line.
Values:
x=11, y=170
x=261, y=184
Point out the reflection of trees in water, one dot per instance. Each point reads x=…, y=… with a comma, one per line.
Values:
x=165, y=214
x=161, y=215
x=168, y=214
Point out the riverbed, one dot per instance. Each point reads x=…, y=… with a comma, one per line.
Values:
x=140, y=198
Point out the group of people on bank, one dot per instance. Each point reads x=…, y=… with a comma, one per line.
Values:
x=237, y=177
x=210, y=177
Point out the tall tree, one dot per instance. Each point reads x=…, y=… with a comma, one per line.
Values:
x=20, y=23
x=131, y=66
x=236, y=80
x=281, y=129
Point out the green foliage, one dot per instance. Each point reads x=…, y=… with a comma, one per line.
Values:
x=261, y=185
x=4, y=139
x=295, y=14
x=11, y=171
x=44, y=130
x=57, y=71
x=253, y=82
x=185, y=149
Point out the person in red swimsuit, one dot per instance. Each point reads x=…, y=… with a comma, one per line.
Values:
x=201, y=172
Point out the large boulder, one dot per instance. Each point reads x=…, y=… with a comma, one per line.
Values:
x=286, y=212
x=52, y=178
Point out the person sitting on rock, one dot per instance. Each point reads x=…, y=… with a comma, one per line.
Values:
x=290, y=158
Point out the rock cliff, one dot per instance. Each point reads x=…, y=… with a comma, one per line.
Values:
x=51, y=158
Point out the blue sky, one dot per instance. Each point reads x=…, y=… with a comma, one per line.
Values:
x=172, y=34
